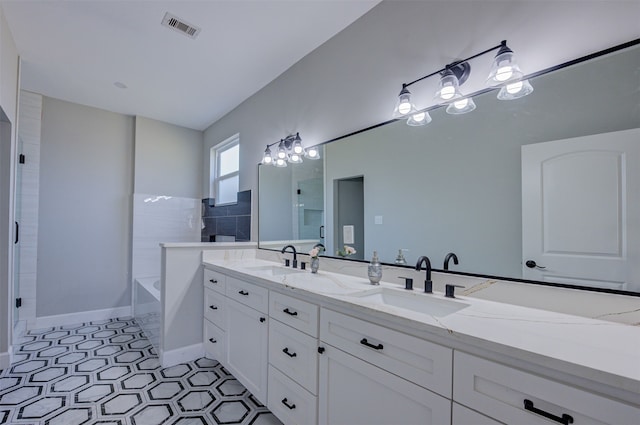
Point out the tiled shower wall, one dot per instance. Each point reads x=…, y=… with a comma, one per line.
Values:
x=27, y=202
x=221, y=223
x=156, y=219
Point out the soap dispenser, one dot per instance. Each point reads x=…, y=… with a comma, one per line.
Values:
x=375, y=270
x=400, y=260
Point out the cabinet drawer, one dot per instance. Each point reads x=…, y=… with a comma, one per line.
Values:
x=294, y=312
x=214, y=280
x=248, y=294
x=295, y=354
x=215, y=308
x=215, y=344
x=500, y=391
x=354, y=392
x=421, y=362
x=291, y=403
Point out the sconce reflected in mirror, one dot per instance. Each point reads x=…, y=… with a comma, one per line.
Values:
x=289, y=150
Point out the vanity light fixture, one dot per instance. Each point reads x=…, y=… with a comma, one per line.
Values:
x=505, y=74
x=289, y=150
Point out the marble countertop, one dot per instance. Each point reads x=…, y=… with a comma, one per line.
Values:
x=602, y=352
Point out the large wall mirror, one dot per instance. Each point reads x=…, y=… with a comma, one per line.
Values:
x=545, y=188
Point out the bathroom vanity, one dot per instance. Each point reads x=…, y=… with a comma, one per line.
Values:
x=329, y=348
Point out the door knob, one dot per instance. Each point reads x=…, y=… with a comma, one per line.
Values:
x=532, y=265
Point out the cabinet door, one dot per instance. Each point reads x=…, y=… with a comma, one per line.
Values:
x=247, y=334
x=354, y=392
x=215, y=342
x=464, y=416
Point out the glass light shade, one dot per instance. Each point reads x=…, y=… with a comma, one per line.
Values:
x=515, y=90
x=504, y=68
x=312, y=153
x=461, y=106
x=282, y=150
x=449, y=88
x=404, y=106
x=280, y=163
x=419, y=118
x=295, y=158
x=267, y=158
x=297, y=145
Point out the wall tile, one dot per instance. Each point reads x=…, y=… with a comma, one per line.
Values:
x=243, y=225
x=226, y=226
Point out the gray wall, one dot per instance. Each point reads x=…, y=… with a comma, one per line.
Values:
x=352, y=80
x=8, y=102
x=167, y=159
x=86, y=181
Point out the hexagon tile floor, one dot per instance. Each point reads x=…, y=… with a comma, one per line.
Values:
x=108, y=373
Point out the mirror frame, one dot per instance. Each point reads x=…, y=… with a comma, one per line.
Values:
x=585, y=58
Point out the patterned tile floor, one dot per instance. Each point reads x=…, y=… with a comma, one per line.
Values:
x=108, y=373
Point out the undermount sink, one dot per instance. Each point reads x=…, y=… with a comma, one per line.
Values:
x=414, y=301
x=275, y=270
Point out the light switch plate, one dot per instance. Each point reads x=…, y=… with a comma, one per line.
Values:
x=347, y=233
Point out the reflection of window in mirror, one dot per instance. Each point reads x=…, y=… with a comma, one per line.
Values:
x=225, y=171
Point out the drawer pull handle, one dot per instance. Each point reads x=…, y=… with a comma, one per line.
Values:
x=289, y=312
x=286, y=351
x=213, y=281
x=213, y=307
x=564, y=419
x=213, y=341
x=245, y=293
x=290, y=406
x=368, y=344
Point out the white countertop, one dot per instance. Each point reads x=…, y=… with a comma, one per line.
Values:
x=602, y=352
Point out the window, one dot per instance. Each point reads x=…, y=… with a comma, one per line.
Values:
x=225, y=171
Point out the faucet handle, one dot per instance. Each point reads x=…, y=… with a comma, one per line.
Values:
x=428, y=287
x=408, y=282
x=286, y=262
x=449, y=290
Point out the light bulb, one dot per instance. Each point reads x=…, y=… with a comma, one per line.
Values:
x=514, y=88
x=297, y=149
x=404, y=108
x=419, y=117
x=312, y=152
x=267, y=160
x=447, y=92
x=461, y=104
x=504, y=73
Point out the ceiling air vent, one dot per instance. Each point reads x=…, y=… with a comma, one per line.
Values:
x=180, y=25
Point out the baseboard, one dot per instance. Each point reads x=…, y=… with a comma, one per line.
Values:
x=5, y=360
x=81, y=317
x=182, y=355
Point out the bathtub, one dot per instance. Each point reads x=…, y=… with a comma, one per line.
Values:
x=147, y=308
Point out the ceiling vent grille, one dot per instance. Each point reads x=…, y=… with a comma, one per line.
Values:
x=177, y=24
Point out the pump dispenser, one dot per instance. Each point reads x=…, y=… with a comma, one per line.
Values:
x=375, y=270
x=400, y=260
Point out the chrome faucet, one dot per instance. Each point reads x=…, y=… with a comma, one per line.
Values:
x=448, y=257
x=295, y=256
x=428, y=285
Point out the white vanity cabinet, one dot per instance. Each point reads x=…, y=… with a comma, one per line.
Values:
x=501, y=392
x=368, y=374
x=293, y=359
x=215, y=324
x=247, y=335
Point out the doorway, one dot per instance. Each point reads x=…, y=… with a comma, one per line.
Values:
x=349, y=214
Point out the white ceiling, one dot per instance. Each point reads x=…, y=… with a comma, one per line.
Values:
x=77, y=50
